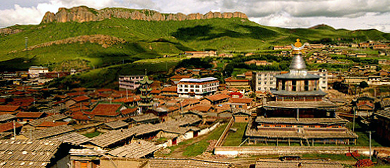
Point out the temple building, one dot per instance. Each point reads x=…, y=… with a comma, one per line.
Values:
x=146, y=98
x=298, y=112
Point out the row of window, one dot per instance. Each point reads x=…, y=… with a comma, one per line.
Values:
x=198, y=90
x=266, y=83
x=197, y=86
x=301, y=126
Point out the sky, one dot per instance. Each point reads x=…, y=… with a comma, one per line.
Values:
x=347, y=14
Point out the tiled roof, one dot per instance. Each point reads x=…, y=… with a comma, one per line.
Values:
x=6, y=117
x=125, y=100
x=145, y=117
x=136, y=150
x=51, y=118
x=52, y=124
x=49, y=132
x=29, y=114
x=117, y=124
x=128, y=111
x=201, y=108
x=241, y=100
x=72, y=138
x=107, y=109
x=217, y=97
x=81, y=98
x=8, y=108
x=155, y=91
x=169, y=89
x=75, y=94
x=28, y=153
x=9, y=126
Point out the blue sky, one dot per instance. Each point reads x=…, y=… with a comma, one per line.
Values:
x=348, y=14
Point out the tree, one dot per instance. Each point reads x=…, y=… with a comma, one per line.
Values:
x=363, y=84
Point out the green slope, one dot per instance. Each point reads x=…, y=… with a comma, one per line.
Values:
x=152, y=39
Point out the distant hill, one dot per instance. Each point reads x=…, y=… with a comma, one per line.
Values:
x=112, y=36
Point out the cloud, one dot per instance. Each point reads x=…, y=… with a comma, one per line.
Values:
x=34, y=14
x=282, y=19
x=307, y=8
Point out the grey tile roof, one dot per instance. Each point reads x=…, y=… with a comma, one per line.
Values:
x=73, y=138
x=49, y=132
x=117, y=124
x=6, y=117
x=137, y=149
x=27, y=153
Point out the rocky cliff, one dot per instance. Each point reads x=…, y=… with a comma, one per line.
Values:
x=85, y=14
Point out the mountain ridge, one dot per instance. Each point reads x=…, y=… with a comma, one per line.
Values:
x=85, y=14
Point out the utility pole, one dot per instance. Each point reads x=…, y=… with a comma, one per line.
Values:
x=369, y=135
x=354, y=115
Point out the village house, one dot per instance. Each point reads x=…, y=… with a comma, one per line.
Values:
x=197, y=88
x=34, y=71
x=238, y=83
x=200, y=54
x=107, y=112
x=130, y=82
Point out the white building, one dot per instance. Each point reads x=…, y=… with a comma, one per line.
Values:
x=130, y=82
x=34, y=71
x=197, y=88
x=266, y=81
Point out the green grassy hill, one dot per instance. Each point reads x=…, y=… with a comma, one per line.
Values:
x=151, y=39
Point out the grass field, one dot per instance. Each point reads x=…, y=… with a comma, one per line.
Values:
x=235, y=138
x=201, y=146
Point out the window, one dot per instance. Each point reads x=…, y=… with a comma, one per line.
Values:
x=306, y=85
x=294, y=85
x=283, y=85
x=180, y=90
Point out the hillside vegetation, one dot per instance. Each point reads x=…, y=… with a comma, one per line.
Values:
x=112, y=41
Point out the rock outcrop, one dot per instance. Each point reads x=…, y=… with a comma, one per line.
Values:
x=8, y=31
x=85, y=14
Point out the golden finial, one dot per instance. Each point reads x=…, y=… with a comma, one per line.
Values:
x=297, y=47
x=298, y=43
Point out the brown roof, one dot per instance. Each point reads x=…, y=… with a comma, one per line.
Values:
x=128, y=111
x=155, y=91
x=201, y=108
x=217, y=97
x=9, y=126
x=52, y=124
x=107, y=109
x=8, y=108
x=241, y=100
x=169, y=89
x=81, y=98
x=29, y=114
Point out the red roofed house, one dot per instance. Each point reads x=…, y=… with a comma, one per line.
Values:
x=48, y=124
x=106, y=112
x=238, y=83
x=217, y=99
x=4, y=109
x=28, y=116
x=169, y=91
x=365, y=106
x=9, y=126
x=244, y=103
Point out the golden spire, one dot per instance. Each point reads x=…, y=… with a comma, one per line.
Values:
x=298, y=43
x=297, y=48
